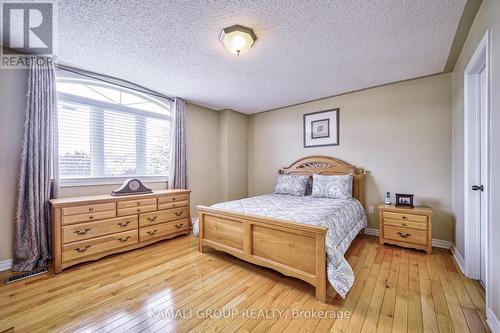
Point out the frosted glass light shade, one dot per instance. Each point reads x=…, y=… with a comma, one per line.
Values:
x=238, y=39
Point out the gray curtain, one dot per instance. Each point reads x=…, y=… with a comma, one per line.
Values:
x=32, y=225
x=178, y=156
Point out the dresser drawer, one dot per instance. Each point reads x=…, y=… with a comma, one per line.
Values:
x=162, y=216
x=88, y=217
x=97, y=245
x=404, y=216
x=405, y=224
x=172, y=198
x=78, y=210
x=405, y=235
x=136, y=203
x=136, y=210
x=82, y=231
x=172, y=204
x=162, y=229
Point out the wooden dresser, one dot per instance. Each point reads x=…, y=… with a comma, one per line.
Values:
x=404, y=226
x=89, y=228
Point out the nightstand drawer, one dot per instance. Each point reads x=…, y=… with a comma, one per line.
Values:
x=405, y=224
x=404, y=216
x=405, y=235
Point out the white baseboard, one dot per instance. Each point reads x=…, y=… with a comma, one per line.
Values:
x=458, y=259
x=444, y=244
x=372, y=231
x=492, y=321
x=5, y=265
x=435, y=242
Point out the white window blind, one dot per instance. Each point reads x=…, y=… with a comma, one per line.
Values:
x=108, y=132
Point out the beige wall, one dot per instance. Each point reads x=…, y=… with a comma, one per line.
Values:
x=12, y=104
x=487, y=18
x=400, y=133
x=233, y=155
x=203, y=156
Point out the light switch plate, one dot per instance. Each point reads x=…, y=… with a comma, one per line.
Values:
x=370, y=209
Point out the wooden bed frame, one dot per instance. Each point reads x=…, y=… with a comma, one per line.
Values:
x=292, y=248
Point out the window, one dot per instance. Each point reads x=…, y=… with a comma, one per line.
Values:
x=107, y=133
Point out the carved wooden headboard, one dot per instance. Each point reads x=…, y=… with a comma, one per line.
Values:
x=325, y=165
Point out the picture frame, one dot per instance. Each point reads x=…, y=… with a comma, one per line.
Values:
x=404, y=200
x=321, y=128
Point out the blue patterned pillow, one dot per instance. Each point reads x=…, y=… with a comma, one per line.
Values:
x=335, y=187
x=291, y=184
x=309, y=186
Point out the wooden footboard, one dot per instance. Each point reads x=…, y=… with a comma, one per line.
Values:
x=294, y=249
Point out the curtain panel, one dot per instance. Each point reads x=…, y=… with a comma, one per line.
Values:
x=32, y=225
x=178, y=177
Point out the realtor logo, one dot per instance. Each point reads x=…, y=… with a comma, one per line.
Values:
x=27, y=29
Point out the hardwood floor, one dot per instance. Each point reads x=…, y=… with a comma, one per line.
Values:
x=396, y=290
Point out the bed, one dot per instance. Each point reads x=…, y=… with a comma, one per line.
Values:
x=303, y=237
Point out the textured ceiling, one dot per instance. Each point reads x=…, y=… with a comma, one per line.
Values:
x=305, y=49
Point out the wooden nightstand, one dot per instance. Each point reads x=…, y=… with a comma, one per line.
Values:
x=407, y=227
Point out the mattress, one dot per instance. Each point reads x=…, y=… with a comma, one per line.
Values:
x=344, y=218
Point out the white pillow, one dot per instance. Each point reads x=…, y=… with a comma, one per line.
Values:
x=335, y=187
x=291, y=184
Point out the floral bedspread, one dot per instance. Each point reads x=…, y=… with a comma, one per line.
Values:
x=344, y=218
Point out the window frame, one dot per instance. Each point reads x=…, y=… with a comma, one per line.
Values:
x=75, y=99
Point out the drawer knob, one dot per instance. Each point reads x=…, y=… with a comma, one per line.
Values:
x=138, y=210
x=403, y=235
x=138, y=203
x=124, y=224
x=173, y=199
x=81, y=232
x=151, y=233
x=152, y=219
x=174, y=205
x=178, y=213
x=91, y=217
x=403, y=217
x=178, y=226
x=91, y=209
x=124, y=239
x=82, y=249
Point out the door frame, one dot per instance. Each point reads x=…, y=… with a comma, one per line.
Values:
x=472, y=257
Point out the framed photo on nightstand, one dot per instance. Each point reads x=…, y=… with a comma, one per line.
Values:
x=405, y=200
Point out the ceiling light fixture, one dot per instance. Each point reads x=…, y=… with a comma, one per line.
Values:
x=238, y=39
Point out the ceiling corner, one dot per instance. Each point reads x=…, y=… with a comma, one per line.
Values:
x=469, y=14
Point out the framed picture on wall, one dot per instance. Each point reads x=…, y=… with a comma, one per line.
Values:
x=321, y=128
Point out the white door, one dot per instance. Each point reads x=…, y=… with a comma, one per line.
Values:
x=482, y=123
x=477, y=94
